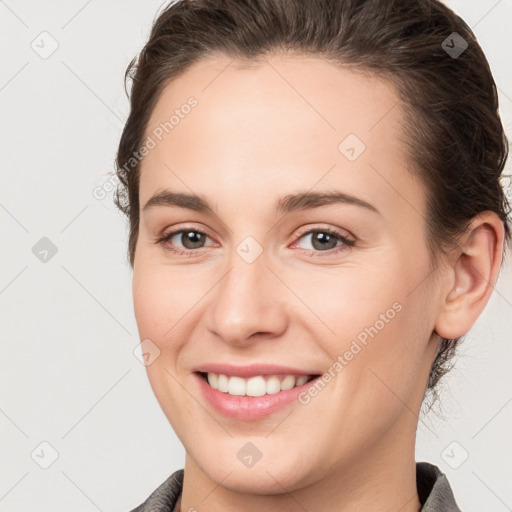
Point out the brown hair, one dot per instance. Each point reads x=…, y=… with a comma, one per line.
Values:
x=454, y=132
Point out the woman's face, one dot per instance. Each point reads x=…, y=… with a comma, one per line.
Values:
x=275, y=273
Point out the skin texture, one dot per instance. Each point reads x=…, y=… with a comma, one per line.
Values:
x=258, y=133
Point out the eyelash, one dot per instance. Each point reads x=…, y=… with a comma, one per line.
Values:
x=346, y=242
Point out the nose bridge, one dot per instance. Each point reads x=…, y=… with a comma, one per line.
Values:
x=246, y=299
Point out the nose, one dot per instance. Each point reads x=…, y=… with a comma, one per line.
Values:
x=247, y=303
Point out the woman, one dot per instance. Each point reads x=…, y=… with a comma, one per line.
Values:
x=316, y=220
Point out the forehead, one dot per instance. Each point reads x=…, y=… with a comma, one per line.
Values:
x=278, y=90
x=286, y=121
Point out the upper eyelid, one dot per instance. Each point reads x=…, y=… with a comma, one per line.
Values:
x=339, y=231
x=178, y=230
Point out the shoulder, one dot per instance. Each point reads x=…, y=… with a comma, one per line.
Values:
x=434, y=490
x=165, y=496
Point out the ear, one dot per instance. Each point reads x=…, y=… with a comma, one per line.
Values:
x=471, y=275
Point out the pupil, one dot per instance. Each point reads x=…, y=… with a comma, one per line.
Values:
x=192, y=238
x=323, y=239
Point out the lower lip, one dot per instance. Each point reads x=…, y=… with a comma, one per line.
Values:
x=249, y=408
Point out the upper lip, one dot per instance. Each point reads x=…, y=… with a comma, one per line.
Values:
x=250, y=370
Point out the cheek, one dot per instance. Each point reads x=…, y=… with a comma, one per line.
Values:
x=381, y=373
x=167, y=307
x=161, y=303
x=376, y=324
x=350, y=302
x=164, y=298
x=392, y=365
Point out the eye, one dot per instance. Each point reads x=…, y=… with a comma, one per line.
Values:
x=191, y=239
x=326, y=240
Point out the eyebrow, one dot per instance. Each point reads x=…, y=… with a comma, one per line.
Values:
x=289, y=203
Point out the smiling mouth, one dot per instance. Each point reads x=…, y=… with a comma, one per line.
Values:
x=255, y=386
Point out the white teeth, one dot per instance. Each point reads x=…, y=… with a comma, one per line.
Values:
x=223, y=383
x=213, y=380
x=288, y=382
x=301, y=380
x=273, y=385
x=236, y=386
x=254, y=386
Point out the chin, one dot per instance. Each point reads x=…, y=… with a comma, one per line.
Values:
x=265, y=477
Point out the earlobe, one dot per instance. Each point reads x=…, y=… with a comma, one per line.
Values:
x=472, y=275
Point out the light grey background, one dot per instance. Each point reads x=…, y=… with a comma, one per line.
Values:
x=69, y=376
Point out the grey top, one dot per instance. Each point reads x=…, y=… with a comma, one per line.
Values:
x=434, y=492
